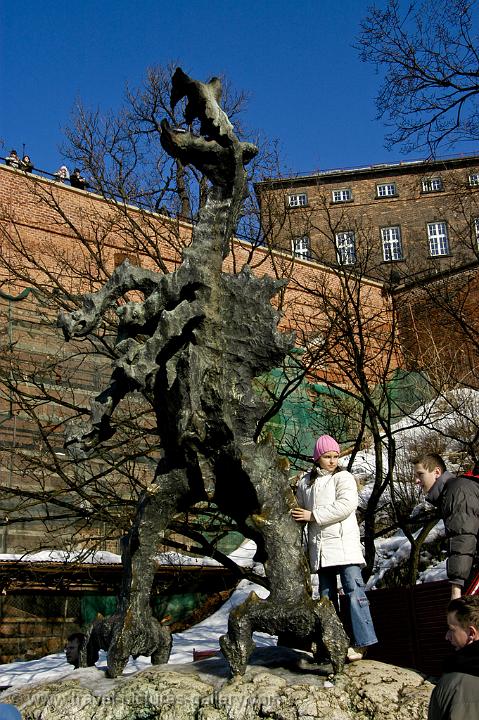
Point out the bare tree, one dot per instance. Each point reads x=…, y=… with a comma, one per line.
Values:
x=72, y=247
x=427, y=54
x=346, y=322
x=373, y=350
x=122, y=154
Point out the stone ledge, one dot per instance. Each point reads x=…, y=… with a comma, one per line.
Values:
x=274, y=686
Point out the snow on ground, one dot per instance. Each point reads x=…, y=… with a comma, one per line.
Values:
x=203, y=636
x=393, y=550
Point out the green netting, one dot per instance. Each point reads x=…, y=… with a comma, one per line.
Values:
x=293, y=426
x=178, y=607
x=407, y=391
x=312, y=409
x=93, y=605
x=308, y=410
x=336, y=412
x=230, y=542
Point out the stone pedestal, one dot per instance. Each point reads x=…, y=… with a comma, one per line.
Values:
x=275, y=685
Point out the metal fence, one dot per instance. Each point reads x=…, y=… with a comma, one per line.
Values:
x=411, y=625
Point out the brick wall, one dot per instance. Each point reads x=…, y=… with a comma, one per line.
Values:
x=67, y=240
x=440, y=328
x=56, y=235
x=60, y=237
x=62, y=241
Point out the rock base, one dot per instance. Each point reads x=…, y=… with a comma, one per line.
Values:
x=280, y=685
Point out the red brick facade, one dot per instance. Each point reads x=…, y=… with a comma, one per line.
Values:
x=64, y=241
x=439, y=327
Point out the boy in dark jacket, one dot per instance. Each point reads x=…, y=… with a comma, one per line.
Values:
x=456, y=696
x=458, y=501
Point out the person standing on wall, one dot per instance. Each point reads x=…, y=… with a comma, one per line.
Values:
x=77, y=180
x=13, y=160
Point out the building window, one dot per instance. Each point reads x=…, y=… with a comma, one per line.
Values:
x=346, y=247
x=392, y=245
x=343, y=195
x=476, y=231
x=474, y=179
x=438, y=239
x=302, y=247
x=298, y=200
x=432, y=185
x=386, y=190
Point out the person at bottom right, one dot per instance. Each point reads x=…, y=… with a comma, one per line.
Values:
x=456, y=696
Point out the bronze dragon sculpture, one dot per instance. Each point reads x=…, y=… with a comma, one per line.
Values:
x=194, y=347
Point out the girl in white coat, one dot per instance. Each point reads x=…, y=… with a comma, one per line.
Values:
x=327, y=498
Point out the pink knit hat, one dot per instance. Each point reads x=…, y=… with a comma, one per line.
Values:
x=325, y=444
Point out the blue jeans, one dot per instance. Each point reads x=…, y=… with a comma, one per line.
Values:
x=358, y=603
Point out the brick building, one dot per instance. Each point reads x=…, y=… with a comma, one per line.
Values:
x=388, y=220
x=438, y=318
x=334, y=236
x=57, y=242
x=62, y=241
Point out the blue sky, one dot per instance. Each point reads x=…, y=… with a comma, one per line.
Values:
x=307, y=88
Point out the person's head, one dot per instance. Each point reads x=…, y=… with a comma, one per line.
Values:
x=326, y=453
x=13, y=152
x=463, y=621
x=72, y=648
x=76, y=171
x=26, y=158
x=427, y=469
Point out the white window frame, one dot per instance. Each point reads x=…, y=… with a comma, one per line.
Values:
x=297, y=200
x=386, y=190
x=346, y=247
x=301, y=247
x=391, y=239
x=342, y=195
x=438, y=238
x=432, y=184
x=476, y=230
x=474, y=179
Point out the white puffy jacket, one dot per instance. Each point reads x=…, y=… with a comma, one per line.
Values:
x=333, y=535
